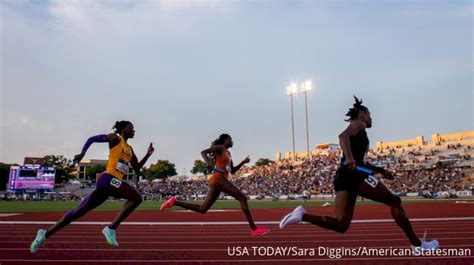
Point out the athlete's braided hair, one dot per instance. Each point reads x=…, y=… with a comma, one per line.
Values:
x=120, y=125
x=354, y=111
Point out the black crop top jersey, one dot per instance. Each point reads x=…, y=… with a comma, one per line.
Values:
x=359, y=148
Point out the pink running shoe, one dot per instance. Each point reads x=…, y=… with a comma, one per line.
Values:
x=260, y=231
x=168, y=203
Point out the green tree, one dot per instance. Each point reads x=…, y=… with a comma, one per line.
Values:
x=264, y=162
x=4, y=174
x=199, y=167
x=162, y=169
x=63, y=167
x=92, y=172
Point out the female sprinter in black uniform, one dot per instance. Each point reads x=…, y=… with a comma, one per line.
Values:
x=352, y=179
x=108, y=184
x=222, y=166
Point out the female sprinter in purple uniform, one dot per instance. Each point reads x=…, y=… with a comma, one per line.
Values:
x=108, y=184
x=355, y=177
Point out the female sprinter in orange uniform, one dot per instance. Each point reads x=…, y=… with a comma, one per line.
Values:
x=218, y=182
x=108, y=184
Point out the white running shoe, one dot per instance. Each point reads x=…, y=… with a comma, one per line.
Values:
x=425, y=245
x=292, y=218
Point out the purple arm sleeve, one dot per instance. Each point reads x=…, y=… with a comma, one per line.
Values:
x=102, y=138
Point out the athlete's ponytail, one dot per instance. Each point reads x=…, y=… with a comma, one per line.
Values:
x=221, y=139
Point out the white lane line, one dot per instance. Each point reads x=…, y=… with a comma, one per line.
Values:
x=223, y=225
x=442, y=219
x=224, y=229
x=335, y=235
x=122, y=242
x=236, y=260
x=213, y=229
x=216, y=210
x=205, y=233
x=180, y=228
x=9, y=214
x=197, y=249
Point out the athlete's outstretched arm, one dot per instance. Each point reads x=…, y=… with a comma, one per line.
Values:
x=352, y=129
x=138, y=165
x=101, y=138
x=237, y=168
x=387, y=174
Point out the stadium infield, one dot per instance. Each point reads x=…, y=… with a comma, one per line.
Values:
x=183, y=237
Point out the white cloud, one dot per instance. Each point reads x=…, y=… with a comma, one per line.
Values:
x=75, y=12
x=86, y=14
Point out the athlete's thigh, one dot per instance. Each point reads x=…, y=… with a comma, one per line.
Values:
x=226, y=186
x=91, y=201
x=372, y=188
x=121, y=189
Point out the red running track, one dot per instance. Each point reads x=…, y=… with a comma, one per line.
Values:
x=221, y=244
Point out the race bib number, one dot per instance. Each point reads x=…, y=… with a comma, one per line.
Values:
x=115, y=183
x=372, y=181
x=121, y=167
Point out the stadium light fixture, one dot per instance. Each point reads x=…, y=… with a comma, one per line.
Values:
x=290, y=91
x=305, y=88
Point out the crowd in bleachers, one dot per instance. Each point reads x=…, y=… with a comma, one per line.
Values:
x=432, y=169
x=44, y=196
x=184, y=187
x=416, y=170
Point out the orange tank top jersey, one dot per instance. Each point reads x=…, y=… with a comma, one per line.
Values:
x=221, y=167
x=119, y=157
